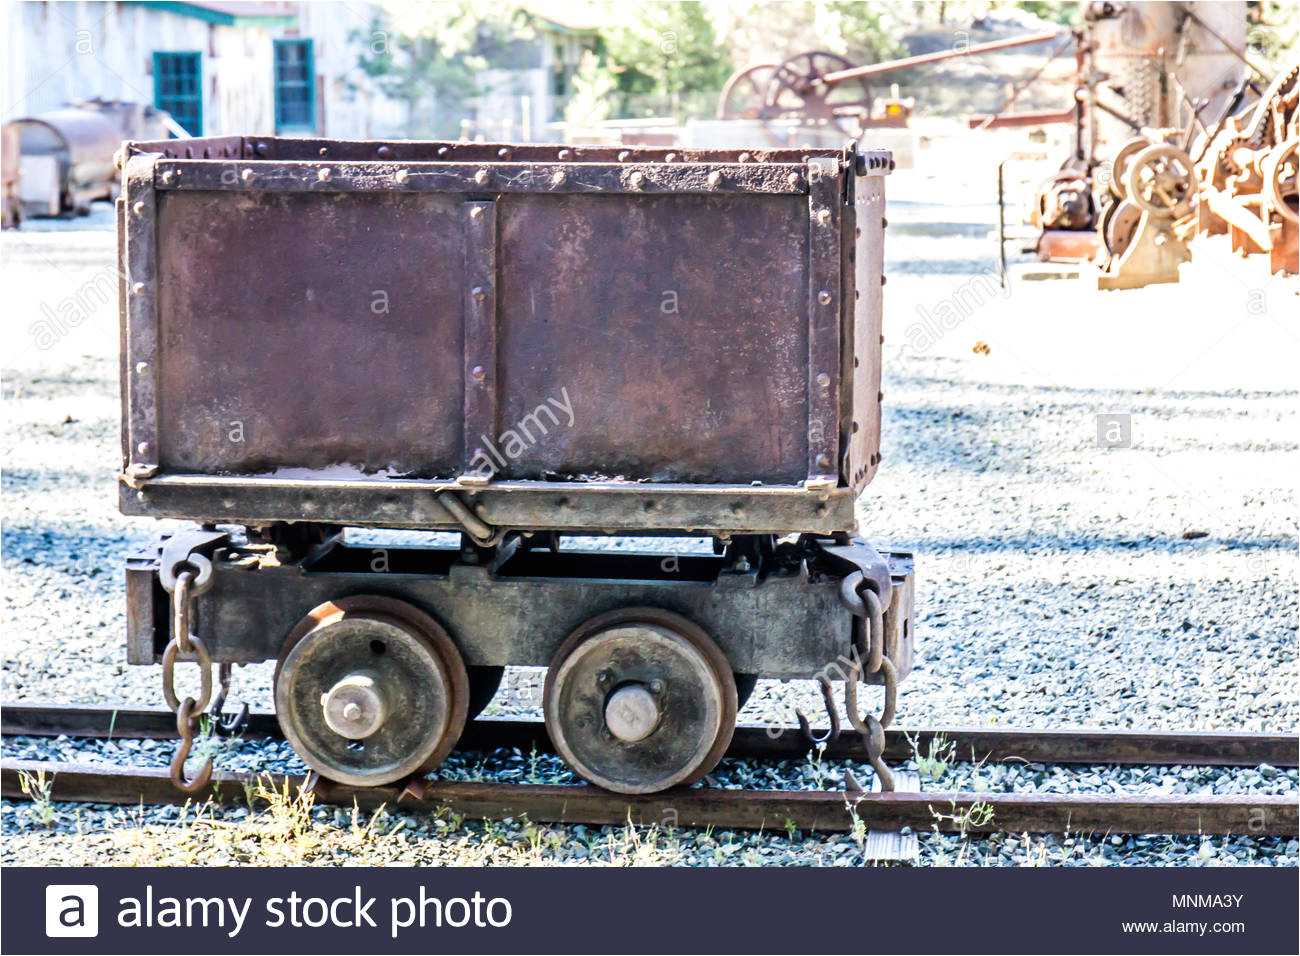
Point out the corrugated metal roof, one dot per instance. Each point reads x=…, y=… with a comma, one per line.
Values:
x=233, y=13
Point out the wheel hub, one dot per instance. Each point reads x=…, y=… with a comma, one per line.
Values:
x=631, y=713
x=355, y=707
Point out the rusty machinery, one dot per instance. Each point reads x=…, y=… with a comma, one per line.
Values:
x=1246, y=170
x=1146, y=70
x=62, y=160
x=1238, y=177
x=822, y=90
x=1157, y=187
x=1157, y=71
x=819, y=89
x=511, y=389
x=1147, y=74
x=12, y=214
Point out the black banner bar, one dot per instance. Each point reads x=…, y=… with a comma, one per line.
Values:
x=356, y=911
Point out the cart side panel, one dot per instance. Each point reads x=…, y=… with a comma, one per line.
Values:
x=310, y=330
x=673, y=328
x=864, y=437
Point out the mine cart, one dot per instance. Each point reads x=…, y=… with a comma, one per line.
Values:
x=519, y=344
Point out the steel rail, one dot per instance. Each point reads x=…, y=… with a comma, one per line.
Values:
x=1058, y=746
x=824, y=810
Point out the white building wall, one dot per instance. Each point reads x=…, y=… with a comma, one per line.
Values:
x=57, y=52
x=353, y=106
x=239, y=83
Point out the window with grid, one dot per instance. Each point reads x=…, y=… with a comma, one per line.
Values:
x=178, y=88
x=295, y=90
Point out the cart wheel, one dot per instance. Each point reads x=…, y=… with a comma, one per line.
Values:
x=640, y=700
x=370, y=690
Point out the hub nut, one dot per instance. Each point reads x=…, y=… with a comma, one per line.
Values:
x=631, y=713
x=355, y=707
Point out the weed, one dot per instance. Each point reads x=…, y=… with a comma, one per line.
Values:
x=534, y=834
x=977, y=816
x=818, y=766
x=451, y=817
x=289, y=837
x=934, y=764
x=858, y=829
x=37, y=789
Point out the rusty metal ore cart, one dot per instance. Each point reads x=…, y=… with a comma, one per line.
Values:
x=518, y=344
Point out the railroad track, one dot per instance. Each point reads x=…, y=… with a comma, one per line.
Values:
x=1188, y=748
x=826, y=810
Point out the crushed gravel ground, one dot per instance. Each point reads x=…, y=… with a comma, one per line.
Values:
x=1060, y=583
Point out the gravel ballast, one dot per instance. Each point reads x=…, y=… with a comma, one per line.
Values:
x=1059, y=583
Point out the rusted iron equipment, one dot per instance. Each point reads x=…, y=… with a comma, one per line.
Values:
x=822, y=89
x=1237, y=178
x=66, y=156
x=1247, y=175
x=1141, y=69
x=11, y=212
x=1156, y=188
x=513, y=343
x=1154, y=65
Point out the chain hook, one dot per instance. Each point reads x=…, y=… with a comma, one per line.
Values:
x=186, y=724
x=222, y=725
x=875, y=743
x=862, y=601
x=890, y=674
x=872, y=728
x=805, y=729
x=183, y=639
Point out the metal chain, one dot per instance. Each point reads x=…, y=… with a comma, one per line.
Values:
x=869, y=657
x=183, y=640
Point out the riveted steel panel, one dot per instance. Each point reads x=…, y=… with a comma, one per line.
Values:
x=303, y=331
x=654, y=338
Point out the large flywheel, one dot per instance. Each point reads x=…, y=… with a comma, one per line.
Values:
x=1161, y=180
x=795, y=90
x=745, y=95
